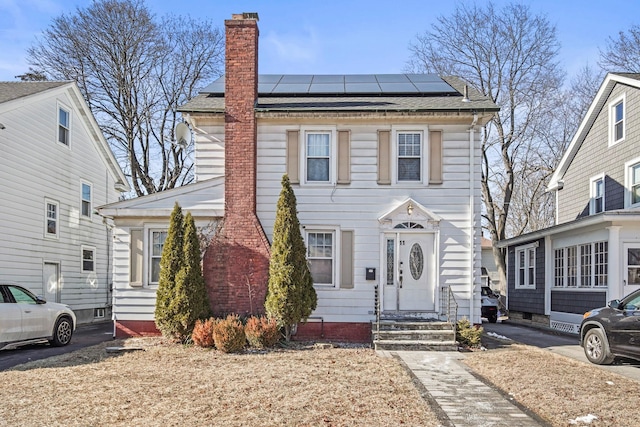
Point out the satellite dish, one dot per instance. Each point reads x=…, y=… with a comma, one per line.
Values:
x=183, y=135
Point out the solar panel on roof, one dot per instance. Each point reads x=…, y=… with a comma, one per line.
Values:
x=339, y=84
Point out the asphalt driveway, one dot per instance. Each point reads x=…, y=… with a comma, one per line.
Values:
x=84, y=336
x=500, y=335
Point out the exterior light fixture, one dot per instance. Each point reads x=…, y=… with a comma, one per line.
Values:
x=409, y=209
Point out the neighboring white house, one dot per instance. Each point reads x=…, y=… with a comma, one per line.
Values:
x=55, y=168
x=386, y=172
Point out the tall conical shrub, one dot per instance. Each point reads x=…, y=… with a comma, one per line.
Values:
x=171, y=263
x=290, y=295
x=190, y=302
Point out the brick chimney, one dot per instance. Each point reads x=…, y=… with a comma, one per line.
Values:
x=236, y=265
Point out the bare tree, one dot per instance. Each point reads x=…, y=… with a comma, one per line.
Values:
x=134, y=71
x=509, y=55
x=622, y=54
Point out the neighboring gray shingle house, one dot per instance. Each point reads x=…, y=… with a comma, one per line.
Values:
x=592, y=254
x=55, y=168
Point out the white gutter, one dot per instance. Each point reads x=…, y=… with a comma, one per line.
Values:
x=472, y=272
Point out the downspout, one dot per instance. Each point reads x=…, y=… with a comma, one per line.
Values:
x=472, y=272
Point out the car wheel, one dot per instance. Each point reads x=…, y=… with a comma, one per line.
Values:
x=62, y=332
x=596, y=347
x=493, y=318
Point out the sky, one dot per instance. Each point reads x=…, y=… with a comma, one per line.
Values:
x=334, y=36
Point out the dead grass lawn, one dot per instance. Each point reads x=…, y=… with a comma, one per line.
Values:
x=173, y=385
x=560, y=389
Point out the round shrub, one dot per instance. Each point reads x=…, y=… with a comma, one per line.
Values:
x=202, y=335
x=228, y=334
x=262, y=332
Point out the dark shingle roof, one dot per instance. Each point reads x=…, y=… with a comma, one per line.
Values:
x=446, y=95
x=14, y=90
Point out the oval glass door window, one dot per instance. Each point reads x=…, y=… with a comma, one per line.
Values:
x=416, y=261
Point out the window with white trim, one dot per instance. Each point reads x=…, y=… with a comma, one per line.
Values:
x=526, y=267
x=52, y=209
x=596, y=202
x=617, y=114
x=88, y=259
x=63, y=125
x=581, y=266
x=157, y=239
x=318, y=156
x=321, y=256
x=632, y=181
x=409, y=149
x=86, y=199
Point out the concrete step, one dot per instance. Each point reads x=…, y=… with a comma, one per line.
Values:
x=415, y=345
x=415, y=335
x=389, y=325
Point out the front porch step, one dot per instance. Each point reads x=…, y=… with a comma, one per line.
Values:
x=414, y=335
x=410, y=345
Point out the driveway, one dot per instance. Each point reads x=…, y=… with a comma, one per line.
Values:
x=84, y=336
x=499, y=335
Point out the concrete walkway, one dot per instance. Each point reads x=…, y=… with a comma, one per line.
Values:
x=458, y=397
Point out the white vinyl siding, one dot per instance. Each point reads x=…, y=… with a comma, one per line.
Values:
x=43, y=194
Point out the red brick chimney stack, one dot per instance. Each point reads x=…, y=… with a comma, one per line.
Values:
x=236, y=265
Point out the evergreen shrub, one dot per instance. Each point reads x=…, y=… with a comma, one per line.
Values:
x=202, y=335
x=468, y=334
x=261, y=332
x=228, y=334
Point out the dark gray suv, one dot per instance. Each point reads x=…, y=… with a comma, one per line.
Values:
x=612, y=331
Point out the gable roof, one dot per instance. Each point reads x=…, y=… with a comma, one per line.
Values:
x=388, y=92
x=14, y=90
x=11, y=92
x=610, y=81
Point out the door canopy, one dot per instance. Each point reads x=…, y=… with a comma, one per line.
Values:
x=409, y=214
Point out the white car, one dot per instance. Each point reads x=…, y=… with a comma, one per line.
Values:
x=26, y=318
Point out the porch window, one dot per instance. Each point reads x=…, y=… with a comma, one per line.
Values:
x=582, y=266
x=320, y=255
x=157, y=244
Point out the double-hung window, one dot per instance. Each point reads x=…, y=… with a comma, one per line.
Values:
x=88, y=259
x=633, y=183
x=597, y=195
x=52, y=209
x=85, y=196
x=526, y=267
x=321, y=256
x=318, y=156
x=63, y=126
x=617, y=114
x=158, y=238
x=410, y=149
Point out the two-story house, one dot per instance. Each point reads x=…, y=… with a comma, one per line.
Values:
x=386, y=172
x=592, y=254
x=55, y=168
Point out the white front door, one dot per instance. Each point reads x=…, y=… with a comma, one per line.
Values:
x=51, y=281
x=410, y=273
